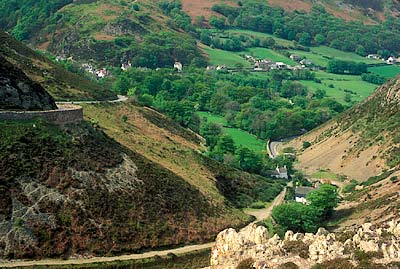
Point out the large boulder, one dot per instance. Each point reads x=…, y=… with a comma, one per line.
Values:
x=18, y=92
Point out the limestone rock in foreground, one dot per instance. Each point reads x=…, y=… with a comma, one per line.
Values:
x=18, y=92
x=304, y=250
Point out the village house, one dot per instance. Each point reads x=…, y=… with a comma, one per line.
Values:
x=391, y=60
x=102, y=73
x=210, y=67
x=126, y=66
x=281, y=65
x=221, y=67
x=300, y=194
x=280, y=172
x=262, y=65
x=306, y=62
x=88, y=68
x=178, y=66
x=295, y=57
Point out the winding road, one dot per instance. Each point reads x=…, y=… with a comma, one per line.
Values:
x=260, y=214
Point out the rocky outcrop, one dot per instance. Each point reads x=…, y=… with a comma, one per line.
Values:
x=304, y=250
x=18, y=92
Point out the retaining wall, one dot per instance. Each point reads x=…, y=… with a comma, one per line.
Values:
x=65, y=114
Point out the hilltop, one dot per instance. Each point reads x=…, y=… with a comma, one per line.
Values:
x=60, y=83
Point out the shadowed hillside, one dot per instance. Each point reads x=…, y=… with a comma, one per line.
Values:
x=60, y=83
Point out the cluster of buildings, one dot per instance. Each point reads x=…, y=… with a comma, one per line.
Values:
x=99, y=73
x=267, y=65
x=391, y=60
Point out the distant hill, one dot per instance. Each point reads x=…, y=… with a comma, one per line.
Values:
x=103, y=32
x=368, y=11
x=60, y=83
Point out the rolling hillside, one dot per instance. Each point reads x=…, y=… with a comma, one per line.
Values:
x=60, y=83
x=365, y=137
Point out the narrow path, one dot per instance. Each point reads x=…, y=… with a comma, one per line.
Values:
x=260, y=215
x=121, y=98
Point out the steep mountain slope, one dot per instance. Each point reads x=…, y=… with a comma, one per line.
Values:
x=60, y=83
x=76, y=191
x=17, y=91
x=361, y=143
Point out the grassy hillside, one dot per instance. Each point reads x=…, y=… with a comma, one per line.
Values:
x=164, y=142
x=365, y=137
x=60, y=83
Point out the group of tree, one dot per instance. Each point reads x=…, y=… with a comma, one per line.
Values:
x=269, y=108
x=317, y=27
x=373, y=78
x=346, y=67
x=309, y=217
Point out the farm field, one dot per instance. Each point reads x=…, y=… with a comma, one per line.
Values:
x=341, y=55
x=335, y=86
x=389, y=71
x=279, y=41
x=241, y=138
x=272, y=55
x=223, y=57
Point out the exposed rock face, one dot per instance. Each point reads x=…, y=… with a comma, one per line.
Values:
x=17, y=91
x=304, y=250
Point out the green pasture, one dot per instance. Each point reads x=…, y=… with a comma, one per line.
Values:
x=241, y=138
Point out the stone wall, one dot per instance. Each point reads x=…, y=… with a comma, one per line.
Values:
x=65, y=114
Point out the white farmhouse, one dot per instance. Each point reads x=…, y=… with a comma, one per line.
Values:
x=178, y=66
x=300, y=194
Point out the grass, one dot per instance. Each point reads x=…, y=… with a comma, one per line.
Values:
x=337, y=86
x=279, y=41
x=223, y=57
x=322, y=55
x=272, y=55
x=325, y=174
x=389, y=71
x=241, y=138
x=341, y=55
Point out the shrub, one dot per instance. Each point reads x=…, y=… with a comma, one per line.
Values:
x=288, y=265
x=246, y=264
x=297, y=247
x=124, y=118
x=334, y=264
x=257, y=205
x=306, y=144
